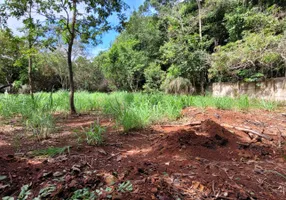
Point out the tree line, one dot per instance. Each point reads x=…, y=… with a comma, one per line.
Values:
x=166, y=45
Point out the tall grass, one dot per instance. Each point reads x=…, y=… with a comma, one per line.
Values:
x=130, y=110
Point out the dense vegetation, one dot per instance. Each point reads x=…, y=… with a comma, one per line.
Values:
x=168, y=45
x=130, y=110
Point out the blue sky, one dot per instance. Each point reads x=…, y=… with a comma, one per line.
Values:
x=110, y=36
x=107, y=38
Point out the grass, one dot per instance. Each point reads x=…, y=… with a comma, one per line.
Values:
x=130, y=110
x=93, y=136
x=51, y=151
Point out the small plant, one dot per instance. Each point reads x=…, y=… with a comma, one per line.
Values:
x=45, y=192
x=94, y=135
x=223, y=103
x=243, y=102
x=269, y=105
x=84, y=193
x=51, y=151
x=41, y=124
x=24, y=194
x=125, y=187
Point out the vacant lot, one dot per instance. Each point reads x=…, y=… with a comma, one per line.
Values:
x=140, y=146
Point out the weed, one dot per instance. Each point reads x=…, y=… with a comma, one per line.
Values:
x=125, y=187
x=130, y=110
x=223, y=103
x=51, y=151
x=94, y=135
x=84, y=193
x=24, y=193
x=269, y=105
x=45, y=192
x=41, y=124
x=243, y=102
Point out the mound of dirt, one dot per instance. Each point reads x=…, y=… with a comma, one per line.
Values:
x=209, y=141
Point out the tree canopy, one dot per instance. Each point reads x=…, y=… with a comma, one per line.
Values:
x=188, y=43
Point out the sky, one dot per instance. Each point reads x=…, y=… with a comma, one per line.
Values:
x=110, y=36
x=107, y=38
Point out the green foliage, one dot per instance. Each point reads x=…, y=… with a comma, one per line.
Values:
x=243, y=102
x=125, y=187
x=178, y=85
x=84, y=193
x=268, y=105
x=45, y=192
x=237, y=60
x=51, y=151
x=94, y=135
x=130, y=110
x=25, y=192
x=154, y=77
x=223, y=103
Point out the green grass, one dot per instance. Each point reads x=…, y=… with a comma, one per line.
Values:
x=130, y=110
x=93, y=136
x=51, y=151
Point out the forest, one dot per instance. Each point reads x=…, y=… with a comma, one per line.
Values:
x=165, y=43
x=138, y=120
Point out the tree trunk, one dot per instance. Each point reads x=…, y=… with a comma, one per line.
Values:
x=71, y=81
x=202, y=84
x=70, y=46
x=200, y=20
x=30, y=70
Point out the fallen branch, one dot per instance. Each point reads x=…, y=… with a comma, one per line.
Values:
x=248, y=131
x=179, y=125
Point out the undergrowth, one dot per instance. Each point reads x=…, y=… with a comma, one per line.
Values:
x=130, y=110
x=51, y=151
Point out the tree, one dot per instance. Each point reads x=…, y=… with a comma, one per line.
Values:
x=33, y=32
x=85, y=20
x=9, y=54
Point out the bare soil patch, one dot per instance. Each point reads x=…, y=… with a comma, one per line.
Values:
x=179, y=160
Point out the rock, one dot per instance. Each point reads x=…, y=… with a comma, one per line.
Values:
x=225, y=194
x=119, y=158
x=57, y=174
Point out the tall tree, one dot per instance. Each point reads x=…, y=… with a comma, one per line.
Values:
x=24, y=10
x=83, y=20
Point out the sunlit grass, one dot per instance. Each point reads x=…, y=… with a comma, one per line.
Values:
x=130, y=110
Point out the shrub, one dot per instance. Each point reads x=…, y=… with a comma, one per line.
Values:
x=94, y=135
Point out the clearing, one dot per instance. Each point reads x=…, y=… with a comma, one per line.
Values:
x=202, y=155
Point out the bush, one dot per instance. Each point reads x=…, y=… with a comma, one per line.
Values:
x=179, y=86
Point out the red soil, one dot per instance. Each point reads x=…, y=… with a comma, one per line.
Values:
x=163, y=162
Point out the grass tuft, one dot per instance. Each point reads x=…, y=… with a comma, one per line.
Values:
x=51, y=151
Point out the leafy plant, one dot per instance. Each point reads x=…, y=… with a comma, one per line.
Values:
x=41, y=124
x=84, y=193
x=45, y=192
x=24, y=193
x=94, y=135
x=125, y=187
x=269, y=105
x=243, y=102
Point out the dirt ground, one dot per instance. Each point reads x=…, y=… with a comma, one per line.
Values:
x=203, y=155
